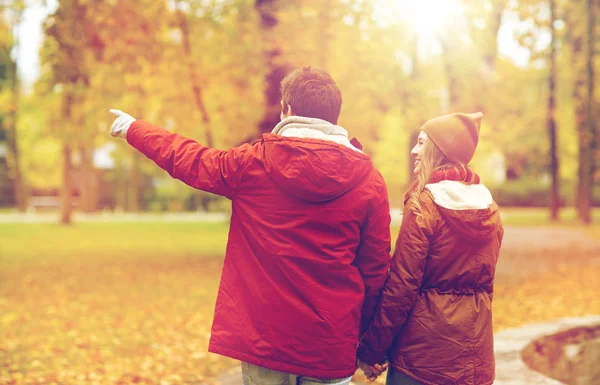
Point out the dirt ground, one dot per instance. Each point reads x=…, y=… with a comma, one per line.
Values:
x=530, y=251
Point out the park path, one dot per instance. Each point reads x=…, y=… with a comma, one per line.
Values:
x=534, y=250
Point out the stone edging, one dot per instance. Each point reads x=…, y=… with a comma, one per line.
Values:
x=508, y=346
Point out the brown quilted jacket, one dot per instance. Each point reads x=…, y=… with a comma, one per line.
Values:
x=434, y=322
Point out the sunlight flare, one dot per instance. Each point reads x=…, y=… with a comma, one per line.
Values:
x=428, y=18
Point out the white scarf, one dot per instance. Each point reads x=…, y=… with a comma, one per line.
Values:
x=313, y=128
x=455, y=195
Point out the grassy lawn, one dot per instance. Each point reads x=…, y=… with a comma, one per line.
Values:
x=538, y=217
x=109, y=241
x=121, y=303
x=109, y=303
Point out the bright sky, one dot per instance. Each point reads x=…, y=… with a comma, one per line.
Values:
x=427, y=16
x=430, y=18
x=507, y=45
x=30, y=37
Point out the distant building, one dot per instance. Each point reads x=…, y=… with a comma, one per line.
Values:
x=103, y=163
x=496, y=163
x=492, y=168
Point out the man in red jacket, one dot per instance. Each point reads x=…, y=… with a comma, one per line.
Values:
x=309, y=240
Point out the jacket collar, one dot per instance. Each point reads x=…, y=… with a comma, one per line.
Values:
x=454, y=195
x=313, y=128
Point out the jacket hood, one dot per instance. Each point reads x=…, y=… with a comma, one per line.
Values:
x=468, y=209
x=314, y=170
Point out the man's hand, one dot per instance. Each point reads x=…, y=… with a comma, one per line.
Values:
x=372, y=372
x=121, y=123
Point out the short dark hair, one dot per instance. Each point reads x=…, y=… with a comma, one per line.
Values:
x=311, y=92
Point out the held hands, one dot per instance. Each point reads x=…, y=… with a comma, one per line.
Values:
x=372, y=371
x=121, y=124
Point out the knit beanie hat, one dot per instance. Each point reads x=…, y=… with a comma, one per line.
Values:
x=456, y=135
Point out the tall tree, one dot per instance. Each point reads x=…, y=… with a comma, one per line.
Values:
x=11, y=82
x=276, y=68
x=485, y=39
x=454, y=87
x=196, y=88
x=67, y=186
x=72, y=42
x=587, y=131
x=575, y=38
x=129, y=74
x=551, y=119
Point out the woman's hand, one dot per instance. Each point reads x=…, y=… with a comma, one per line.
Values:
x=372, y=371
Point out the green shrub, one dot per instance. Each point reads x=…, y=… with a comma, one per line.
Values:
x=533, y=193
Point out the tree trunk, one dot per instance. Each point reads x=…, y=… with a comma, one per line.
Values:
x=267, y=9
x=579, y=99
x=495, y=23
x=324, y=36
x=554, y=165
x=122, y=189
x=134, y=185
x=575, y=38
x=587, y=131
x=453, y=81
x=14, y=163
x=193, y=75
x=487, y=79
x=89, y=181
x=66, y=205
x=409, y=102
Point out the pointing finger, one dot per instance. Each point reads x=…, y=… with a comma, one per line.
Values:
x=116, y=112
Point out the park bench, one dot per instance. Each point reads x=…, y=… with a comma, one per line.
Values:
x=36, y=202
x=46, y=202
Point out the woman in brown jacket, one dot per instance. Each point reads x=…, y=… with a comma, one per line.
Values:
x=434, y=322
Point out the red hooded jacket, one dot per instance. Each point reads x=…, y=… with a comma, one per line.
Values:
x=308, y=248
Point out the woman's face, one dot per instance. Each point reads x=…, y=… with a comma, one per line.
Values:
x=417, y=151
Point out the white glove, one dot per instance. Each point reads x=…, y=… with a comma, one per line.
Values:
x=121, y=123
